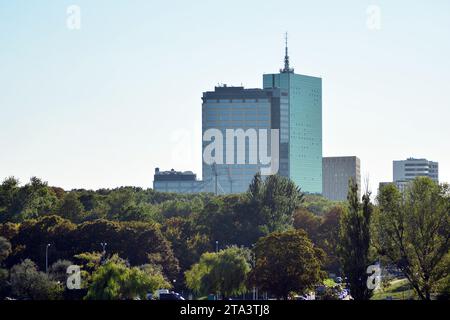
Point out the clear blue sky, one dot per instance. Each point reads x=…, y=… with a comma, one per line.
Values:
x=104, y=105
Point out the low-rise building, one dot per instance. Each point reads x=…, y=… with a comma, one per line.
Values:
x=177, y=181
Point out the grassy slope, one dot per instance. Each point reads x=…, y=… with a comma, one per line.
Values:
x=398, y=289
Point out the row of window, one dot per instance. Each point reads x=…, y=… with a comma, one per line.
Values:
x=236, y=100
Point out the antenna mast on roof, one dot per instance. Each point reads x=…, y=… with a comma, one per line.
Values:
x=286, y=57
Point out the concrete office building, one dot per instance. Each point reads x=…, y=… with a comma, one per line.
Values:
x=177, y=182
x=337, y=171
x=409, y=169
x=404, y=171
x=304, y=119
x=401, y=185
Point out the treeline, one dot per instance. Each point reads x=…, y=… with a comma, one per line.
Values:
x=266, y=233
x=191, y=223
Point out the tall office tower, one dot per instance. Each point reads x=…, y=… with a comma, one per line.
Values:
x=304, y=122
x=407, y=170
x=243, y=112
x=337, y=171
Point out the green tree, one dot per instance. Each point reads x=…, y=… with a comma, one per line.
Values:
x=226, y=220
x=183, y=208
x=89, y=263
x=8, y=192
x=33, y=200
x=304, y=219
x=318, y=204
x=328, y=238
x=157, y=280
x=412, y=231
x=9, y=230
x=354, y=248
x=287, y=262
x=443, y=286
x=5, y=249
x=115, y=280
x=58, y=270
x=29, y=283
x=187, y=241
x=273, y=200
x=225, y=272
x=71, y=208
x=5, y=286
x=35, y=234
x=138, y=242
x=323, y=231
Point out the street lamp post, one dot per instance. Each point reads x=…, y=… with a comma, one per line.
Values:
x=255, y=294
x=46, y=257
x=103, y=244
x=217, y=246
x=103, y=257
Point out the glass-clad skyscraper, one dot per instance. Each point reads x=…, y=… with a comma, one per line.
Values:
x=288, y=102
x=304, y=147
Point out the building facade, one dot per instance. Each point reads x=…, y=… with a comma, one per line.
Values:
x=401, y=185
x=337, y=171
x=243, y=112
x=304, y=126
x=409, y=169
x=404, y=171
x=177, y=182
x=288, y=103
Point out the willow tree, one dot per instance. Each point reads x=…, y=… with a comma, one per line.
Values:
x=224, y=271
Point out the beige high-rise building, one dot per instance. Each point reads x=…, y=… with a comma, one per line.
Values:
x=336, y=173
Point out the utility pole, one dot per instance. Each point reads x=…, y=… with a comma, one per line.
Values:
x=46, y=257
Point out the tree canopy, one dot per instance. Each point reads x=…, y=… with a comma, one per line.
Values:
x=287, y=262
x=225, y=272
x=115, y=280
x=354, y=249
x=412, y=230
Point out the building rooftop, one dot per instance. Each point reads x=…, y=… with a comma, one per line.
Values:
x=226, y=92
x=173, y=175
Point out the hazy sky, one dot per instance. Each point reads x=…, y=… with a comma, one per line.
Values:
x=104, y=105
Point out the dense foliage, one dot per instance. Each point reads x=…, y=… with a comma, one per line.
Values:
x=287, y=262
x=354, y=238
x=166, y=239
x=413, y=231
x=114, y=280
x=223, y=272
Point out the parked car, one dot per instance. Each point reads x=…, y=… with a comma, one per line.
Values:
x=161, y=291
x=170, y=296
